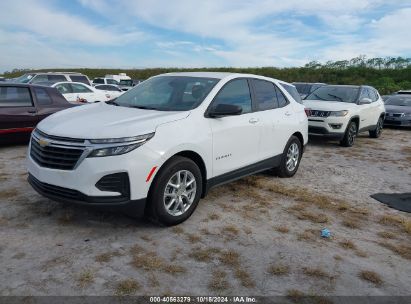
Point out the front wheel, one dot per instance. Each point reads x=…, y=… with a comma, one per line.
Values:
x=175, y=192
x=378, y=129
x=350, y=135
x=290, y=160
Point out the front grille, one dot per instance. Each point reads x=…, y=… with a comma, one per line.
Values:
x=395, y=114
x=55, y=157
x=54, y=191
x=317, y=130
x=318, y=113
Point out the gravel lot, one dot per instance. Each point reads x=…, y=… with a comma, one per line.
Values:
x=257, y=236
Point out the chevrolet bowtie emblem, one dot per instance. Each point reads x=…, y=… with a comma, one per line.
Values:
x=43, y=142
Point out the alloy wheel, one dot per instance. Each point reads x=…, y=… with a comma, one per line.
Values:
x=293, y=155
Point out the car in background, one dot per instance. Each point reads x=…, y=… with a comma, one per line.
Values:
x=76, y=92
x=398, y=110
x=306, y=88
x=23, y=106
x=343, y=111
x=35, y=78
x=114, y=90
x=159, y=148
x=126, y=84
x=292, y=90
x=2, y=79
x=104, y=80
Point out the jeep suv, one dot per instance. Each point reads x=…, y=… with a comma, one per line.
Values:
x=342, y=111
x=159, y=147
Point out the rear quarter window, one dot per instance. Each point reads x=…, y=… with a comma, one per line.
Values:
x=293, y=92
x=79, y=78
x=15, y=97
x=42, y=96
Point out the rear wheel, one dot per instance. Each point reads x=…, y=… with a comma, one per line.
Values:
x=350, y=135
x=378, y=129
x=290, y=160
x=176, y=191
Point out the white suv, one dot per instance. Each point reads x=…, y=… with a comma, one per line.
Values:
x=163, y=144
x=342, y=111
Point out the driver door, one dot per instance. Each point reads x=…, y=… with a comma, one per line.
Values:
x=235, y=138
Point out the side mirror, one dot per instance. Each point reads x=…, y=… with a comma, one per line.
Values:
x=222, y=110
x=365, y=101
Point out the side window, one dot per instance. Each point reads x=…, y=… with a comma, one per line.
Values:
x=364, y=93
x=265, y=95
x=64, y=88
x=98, y=80
x=293, y=92
x=282, y=101
x=77, y=78
x=15, y=97
x=39, y=78
x=111, y=81
x=42, y=97
x=79, y=88
x=236, y=92
x=56, y=78
x=374, y=95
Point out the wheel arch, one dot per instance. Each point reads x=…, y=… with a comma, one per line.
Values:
x=356, y=119
x=300, y=137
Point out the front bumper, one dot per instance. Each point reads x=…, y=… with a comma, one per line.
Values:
x=330, y=127
x=398, y=121
x=133, y=208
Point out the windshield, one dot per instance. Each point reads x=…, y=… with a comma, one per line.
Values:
x=126, y=82
x=335, y=93
x=168, y=93
x=404, y=101
x=24, y=78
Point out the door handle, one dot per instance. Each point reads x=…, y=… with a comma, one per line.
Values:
x=288, y=113
x=32, y=112
x=253, y=120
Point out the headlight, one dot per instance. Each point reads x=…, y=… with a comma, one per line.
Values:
x=117, y=146
x=338, y=113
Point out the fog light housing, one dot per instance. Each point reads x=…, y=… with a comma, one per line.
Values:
x=335, y=126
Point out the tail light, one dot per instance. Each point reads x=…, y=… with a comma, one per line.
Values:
x=307, y=112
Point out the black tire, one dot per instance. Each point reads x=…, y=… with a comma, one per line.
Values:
x=350, y=135
x=283, y=170
x=156, y=203
x=378, y=129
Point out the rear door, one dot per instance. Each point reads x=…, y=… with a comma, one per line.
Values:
x=275, y=114
x=17, y=111
x=235, y=138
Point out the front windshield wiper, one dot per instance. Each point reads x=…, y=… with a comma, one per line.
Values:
x=112, y=102
x=335, y=96
x=143, y=107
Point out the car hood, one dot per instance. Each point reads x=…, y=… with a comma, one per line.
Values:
x=100, y=120
x=397, y=109
x=328, y=105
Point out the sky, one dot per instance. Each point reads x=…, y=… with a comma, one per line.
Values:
x=193, y=33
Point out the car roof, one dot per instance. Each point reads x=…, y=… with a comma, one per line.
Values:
x=22, y=85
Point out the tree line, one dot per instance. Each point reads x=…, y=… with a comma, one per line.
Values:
x=388, y=74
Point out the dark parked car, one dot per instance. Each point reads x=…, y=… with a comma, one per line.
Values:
x=22, y=106
x=398, y=110
x=306, y=88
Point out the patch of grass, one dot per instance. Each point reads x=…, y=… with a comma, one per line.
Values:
x=107, y=256
x=316, y=272
x=403, y=250
x=347, y=244
x=295, y=295
x=218, y=281
x=66, y=218
x=396, y=221
x=308, y=235
x=278, y=270
x=147, y=261
x=248, y=230
x=193, y=238
x=230, y=230
x=338, y=257
x=361, y=253
x=9, y=193
x=386, y=235
x=85, y=278
x=204, y=254
x=313, y=217
x=214, y=216
x=230, y=257
x=127, y=287
x=177, y=230
x=370, y=276
x=146, y=238
x=282, y=229
x=244, y=277
x=174, y=269
x=351, y=223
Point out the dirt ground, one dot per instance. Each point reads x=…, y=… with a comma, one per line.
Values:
x=257, y=236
